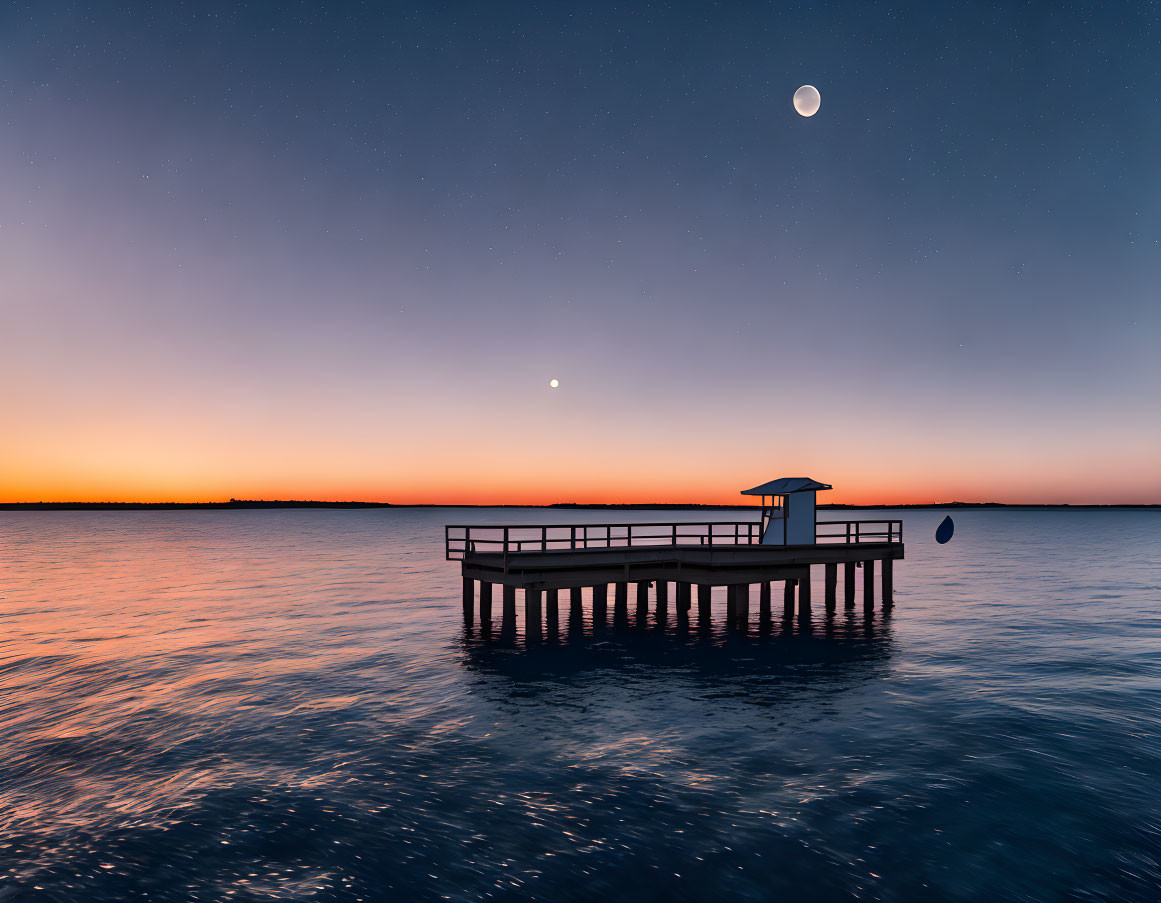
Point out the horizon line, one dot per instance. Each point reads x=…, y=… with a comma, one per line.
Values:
x=314, y=503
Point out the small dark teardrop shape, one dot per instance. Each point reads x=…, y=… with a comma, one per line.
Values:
x=944, y=530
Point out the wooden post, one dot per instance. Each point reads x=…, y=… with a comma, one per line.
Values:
x=574, y=601
x=532, y=613
x=552, y=614
x=620, y=603
x=684, y=597
x=509, y=602
x=804, y=595
x=731, y=604
x=888, y=582
x=830, y=576
x=485, y=604
x=662, y=599
x=869, y=586
x=849, y=584
x=703, y=602
x=788, y=599
x=469, y=599
x=600, y=603
x=742, y=605
x=642, y=600
x=764, y=602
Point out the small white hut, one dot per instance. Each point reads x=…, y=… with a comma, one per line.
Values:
x=788, y=506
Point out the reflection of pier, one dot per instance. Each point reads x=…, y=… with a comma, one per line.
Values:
x=780, y=548
x=685, y=649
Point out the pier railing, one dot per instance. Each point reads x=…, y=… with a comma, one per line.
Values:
x=858, y=531
x=461, y=539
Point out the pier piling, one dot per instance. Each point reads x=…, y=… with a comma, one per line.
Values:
x=485, y=603
x=469, y=598
x=849, y=584
x=532, y=599
x=804, y=596
x=888, y=592
x=662, y=599
x=620, y=603
x=868, y=586
x=704, y=592
x=552, y=608
x=742, y=605
x=601, y=604
x=830, y=578
x=788, y=599
x=764, y=602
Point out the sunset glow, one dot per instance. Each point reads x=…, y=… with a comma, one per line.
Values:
x=204, y=299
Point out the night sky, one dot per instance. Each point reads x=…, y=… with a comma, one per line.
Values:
x=295, y=250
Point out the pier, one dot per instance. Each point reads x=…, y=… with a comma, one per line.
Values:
x=628, y=568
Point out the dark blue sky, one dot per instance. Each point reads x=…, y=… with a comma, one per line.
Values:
x=363, y=231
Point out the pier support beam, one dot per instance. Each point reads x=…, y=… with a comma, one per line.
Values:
x=731, y=604
x=532, y=599
x=510, y=603
x=575, y=605
x=764, y=602
x=620, y=603
x=469, y=599
x=830, y=572
x=600, y=604
x=684, y=597
x=888, y=583
x=552, y=608
x=485, y=604
x=662, y=600
x=742, y=605
x=804, y=596
x=703, y=602
x=642, y=601
x=849, y=584
x=788, y=599
x=868, y=586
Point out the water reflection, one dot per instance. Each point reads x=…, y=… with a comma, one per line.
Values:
x=286, y=705
x=844, y=644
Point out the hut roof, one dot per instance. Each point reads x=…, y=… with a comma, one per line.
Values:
x=787, y=485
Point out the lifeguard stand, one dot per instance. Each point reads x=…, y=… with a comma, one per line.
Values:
x=788, y=506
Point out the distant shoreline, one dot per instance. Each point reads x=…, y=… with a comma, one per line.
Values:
x=660, y=506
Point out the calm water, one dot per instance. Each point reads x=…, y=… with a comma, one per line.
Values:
x=285, y=705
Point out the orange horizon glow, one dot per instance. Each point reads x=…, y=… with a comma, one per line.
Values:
x=881, y=494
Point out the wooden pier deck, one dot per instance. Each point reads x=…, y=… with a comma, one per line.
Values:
x=542, y=560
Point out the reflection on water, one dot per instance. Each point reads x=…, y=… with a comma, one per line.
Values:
x=287, y=705
x=777, y=648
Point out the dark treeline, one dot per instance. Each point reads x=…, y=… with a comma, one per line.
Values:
x=837, y=507
x=167, y=506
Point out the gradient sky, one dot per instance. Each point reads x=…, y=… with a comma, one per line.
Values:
x=296, y=250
